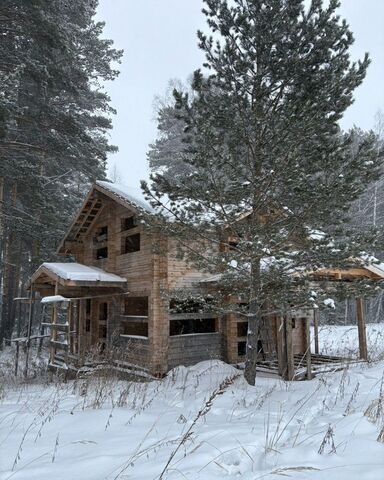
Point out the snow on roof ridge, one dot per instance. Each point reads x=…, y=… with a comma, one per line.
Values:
x=131, y=194
x=79, y=272
x=372, y=263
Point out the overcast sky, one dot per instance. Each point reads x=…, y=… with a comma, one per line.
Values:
x=159, y=42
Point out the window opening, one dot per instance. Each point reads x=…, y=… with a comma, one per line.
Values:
x=190, y=305
x=241, y=349
x=134, y=322
x=139, y=329
x=128, y=223
x=136, y=306
x=242, y=329
x=130, y=244
x=88, y=315
x=103, y=311
x=192, y=325
x=101, y=234
x=102, y=331
x=102, y=253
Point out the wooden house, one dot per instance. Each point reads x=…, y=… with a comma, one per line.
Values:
x=115, y=294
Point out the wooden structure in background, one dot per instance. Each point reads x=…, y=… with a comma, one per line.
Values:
x=115, y=296
x=373, y=272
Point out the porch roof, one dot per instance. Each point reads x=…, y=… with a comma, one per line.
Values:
x=366, y=267
x=76, y=274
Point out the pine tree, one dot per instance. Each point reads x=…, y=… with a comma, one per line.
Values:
x=54, y=117
x=260, y=156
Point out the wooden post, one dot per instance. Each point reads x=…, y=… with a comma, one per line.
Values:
x=361, y=328
x=54, y=322
x=281, y=355
x=18, y=333
x=82, y=344
x=68, y=336
x=308, y=348
x=316, y=329
x=71, y=328
x=42, y=330
x=77, y=327
x=28, y=342
x=289, y=347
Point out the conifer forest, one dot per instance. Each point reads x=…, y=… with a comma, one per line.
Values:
x=191, y=239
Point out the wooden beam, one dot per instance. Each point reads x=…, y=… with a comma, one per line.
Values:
x=82, y=343
x=281, y=356
x=30, y=319
x=68, y=336
x=361, y=328
x=342, y=274
x=308, y=347
x=85, y=212
x=289, y=347
x=54, y=330
x=316, y=329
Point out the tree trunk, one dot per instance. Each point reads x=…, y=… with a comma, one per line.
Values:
x=254, y=322
x=11, y=271
x=2, y=239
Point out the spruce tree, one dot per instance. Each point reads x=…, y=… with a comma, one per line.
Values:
x=260, y=156
x=54, y=120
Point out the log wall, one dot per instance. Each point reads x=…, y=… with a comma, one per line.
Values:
x=181, y=274
x=190, y=349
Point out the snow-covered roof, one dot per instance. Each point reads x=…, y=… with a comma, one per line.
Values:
x=133, y=196
x=367, y=262
x=54, y=299
x=373, y=265
x=80, y=273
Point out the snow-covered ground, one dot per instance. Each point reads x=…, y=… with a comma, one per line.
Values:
x=343, y=340
x=202, y=422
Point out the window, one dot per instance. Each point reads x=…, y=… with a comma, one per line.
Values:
x=242, y=329
x=135, y=316
x=88, y=315
x=136, y=306
x=102, y=331
x=101, y=234
x=103, y=311
x=103, y=231
x=139, y=329
x=191, y=326
x=128, y=223
x=232, y=245
x=102, y=253
x=241, y=349
x=195, y=304
x=130, y=244
x=100, y=241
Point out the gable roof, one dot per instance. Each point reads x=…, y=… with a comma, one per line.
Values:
x=76, y=274
x=133, y=197
x=128, y=197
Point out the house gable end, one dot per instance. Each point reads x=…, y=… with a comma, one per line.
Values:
x=85, y=220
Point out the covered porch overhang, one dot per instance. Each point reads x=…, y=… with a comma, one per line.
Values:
x=52, y=277
x=363, y=270
x=65, y=290
x=293, y=366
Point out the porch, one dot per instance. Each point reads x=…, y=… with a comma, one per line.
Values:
x=78, y=302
